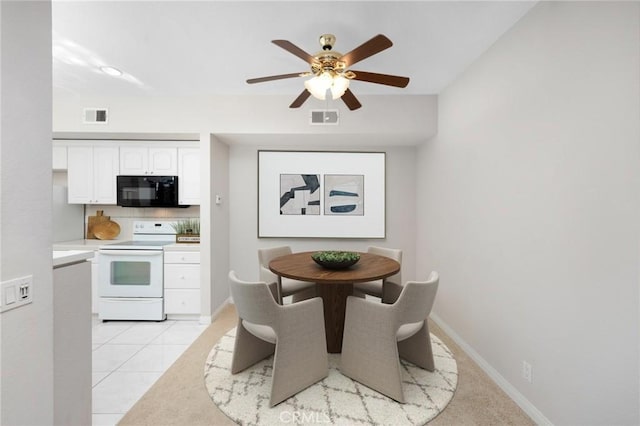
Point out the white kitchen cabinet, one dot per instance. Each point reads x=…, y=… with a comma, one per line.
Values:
x=189, y=176
x=92, y=171
x=144, y=160
x=182, y=282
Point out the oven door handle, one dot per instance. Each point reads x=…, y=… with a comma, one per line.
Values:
x=131, y=253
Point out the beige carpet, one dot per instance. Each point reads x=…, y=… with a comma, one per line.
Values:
x=180, y=397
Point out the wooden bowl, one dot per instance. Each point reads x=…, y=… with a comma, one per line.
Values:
x=106, y=230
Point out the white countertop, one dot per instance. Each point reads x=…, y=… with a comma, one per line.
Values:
x=182, y=247
x=83, y=244
x=64, y=257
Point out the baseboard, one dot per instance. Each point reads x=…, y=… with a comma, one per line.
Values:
x=183, y=317
x=531, y=410
x=206, y=319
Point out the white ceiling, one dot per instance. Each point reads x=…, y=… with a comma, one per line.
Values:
x=211, y=47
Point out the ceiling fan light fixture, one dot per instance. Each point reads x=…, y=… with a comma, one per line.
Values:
x=339, y=86
x=314, y=86
x=319, y=85
x=327, y=80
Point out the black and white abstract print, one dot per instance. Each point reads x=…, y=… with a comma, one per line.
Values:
x=344, y=195
x=299, y=194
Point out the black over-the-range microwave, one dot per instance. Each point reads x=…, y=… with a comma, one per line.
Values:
x=147, y=191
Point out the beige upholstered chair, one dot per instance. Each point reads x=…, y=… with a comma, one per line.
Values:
x=376, y=335
x=295, y=333
x=300, y=290
x=377, y=288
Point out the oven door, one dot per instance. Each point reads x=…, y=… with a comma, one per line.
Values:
x=130, y=273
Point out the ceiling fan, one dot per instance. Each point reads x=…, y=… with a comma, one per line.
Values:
x=330, y=70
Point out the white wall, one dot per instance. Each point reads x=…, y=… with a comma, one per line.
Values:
x=214, y=246
x=384, y=119
x=400, y=213
x=529, y=209
x=220, y=223
x=26, y=351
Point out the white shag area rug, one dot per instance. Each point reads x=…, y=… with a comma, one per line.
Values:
x=336, y=400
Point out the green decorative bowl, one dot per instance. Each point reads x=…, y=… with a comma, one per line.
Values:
x=335, y=259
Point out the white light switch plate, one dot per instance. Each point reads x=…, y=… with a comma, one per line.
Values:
x=16, y=292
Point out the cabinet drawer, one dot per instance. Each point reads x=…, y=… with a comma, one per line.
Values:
x=182, y=276
x=181, y=301
x=181, y=257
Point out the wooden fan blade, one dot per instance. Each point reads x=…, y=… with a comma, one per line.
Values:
x=368, y=48
x=275, y=77
x=300, y=99
x=389, y=80
x=350, y=99
x=292, y=48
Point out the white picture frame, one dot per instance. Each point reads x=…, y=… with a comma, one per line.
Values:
x=364, y=213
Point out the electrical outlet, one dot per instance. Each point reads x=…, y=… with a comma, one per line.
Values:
x=527, y=371
x=16, y=292
x=25, y=291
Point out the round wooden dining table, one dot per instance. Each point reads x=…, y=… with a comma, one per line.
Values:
x=333, y=285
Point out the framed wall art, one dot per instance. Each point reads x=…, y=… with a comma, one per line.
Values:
x=321, y=194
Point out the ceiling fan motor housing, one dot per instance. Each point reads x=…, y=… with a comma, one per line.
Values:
x=327, y=41
x=327, y=61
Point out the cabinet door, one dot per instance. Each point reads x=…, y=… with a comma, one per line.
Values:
x=163, y=161
x=188, y=176
x=182, y=276
x=134, y=160
x=80, y=174
x=105, y=170
x=181, y=301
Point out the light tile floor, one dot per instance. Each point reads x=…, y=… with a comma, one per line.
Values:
x=128, y=357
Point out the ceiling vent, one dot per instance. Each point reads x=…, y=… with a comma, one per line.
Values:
x=95, y=115
x=324, y=116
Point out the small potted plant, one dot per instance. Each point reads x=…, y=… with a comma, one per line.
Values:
x=187, y=230
x=335, y=259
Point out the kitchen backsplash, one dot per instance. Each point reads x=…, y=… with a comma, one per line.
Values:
x=125, y=216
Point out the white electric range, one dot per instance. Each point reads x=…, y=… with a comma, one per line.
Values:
x=130, y=274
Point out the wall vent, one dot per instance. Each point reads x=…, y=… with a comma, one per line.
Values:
x=95, y=115
x=324, y=116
